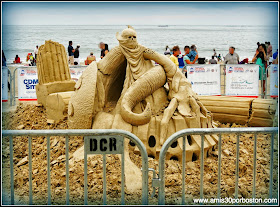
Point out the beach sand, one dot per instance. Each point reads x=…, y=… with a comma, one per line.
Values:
x=33, y=117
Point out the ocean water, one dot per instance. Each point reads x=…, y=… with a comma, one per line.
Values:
x=20, y=40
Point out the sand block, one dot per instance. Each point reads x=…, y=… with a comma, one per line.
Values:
x=229, y=110
x=265, y=104
x=260, y=122
x=57, y=105
x=221, y=103
x=262, y=113
x=225, y=98
x=43, y=90
x=230, y=118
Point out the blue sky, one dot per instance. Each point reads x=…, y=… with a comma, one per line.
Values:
x=139, y=13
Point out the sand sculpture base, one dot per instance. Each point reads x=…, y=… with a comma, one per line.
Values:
x=57, y=105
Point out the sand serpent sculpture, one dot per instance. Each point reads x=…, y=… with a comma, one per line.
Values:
x=126, y=90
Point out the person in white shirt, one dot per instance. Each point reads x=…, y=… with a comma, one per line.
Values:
x=232, y=57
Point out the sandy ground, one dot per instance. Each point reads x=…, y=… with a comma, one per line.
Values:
x=27, y=116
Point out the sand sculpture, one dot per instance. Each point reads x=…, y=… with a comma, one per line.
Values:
x=125, y=90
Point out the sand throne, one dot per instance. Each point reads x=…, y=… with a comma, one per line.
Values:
x=55, y=85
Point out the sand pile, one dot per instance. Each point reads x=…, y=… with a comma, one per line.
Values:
x=34, y=117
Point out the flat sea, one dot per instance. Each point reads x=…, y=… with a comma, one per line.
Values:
x=20, y=40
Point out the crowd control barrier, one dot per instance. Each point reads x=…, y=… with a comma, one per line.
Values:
x=202, y=132
x=158, y=181
x=273, y=74
x=90, y=135
x=206, y=79
x=27, y=79
x=242, y=81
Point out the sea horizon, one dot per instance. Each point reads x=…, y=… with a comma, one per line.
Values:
x=22, y=39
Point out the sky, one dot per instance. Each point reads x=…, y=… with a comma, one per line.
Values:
x=139, y=13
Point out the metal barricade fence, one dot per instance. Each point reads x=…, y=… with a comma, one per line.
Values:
x=267, y=74
x=13, y=80
x=202, y=133
x=98, y=133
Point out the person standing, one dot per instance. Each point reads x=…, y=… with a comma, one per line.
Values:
x=167, y=51
x=106, y=50
x=186, y=59
x=232, y=57
x=260, y=59
x=36, y=52
x=4, y=64
x=219, y=57
x=213, y=61
x=193, y=54
x=174, y=56
x=71, y=53
x=102, y=47
x=32, y=61
x=215, y=54
x=3, y=59
x=266, y=45
x=269, y=50
x=77, y=55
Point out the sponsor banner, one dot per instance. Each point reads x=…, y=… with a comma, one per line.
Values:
x=28, y=79
x=273, y=80
x=4, y=84
x=242, y=80
x=205, y=79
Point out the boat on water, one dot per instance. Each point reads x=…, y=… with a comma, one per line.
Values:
x=162, y=25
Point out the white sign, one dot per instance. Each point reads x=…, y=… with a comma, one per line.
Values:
x=4, y=84
x=28, y=79
x=273, y=74
x=242, y=80
x=205, y=79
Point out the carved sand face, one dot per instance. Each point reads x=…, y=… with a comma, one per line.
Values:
x=128, y=38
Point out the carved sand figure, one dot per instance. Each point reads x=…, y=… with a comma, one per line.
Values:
x=126, y=90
